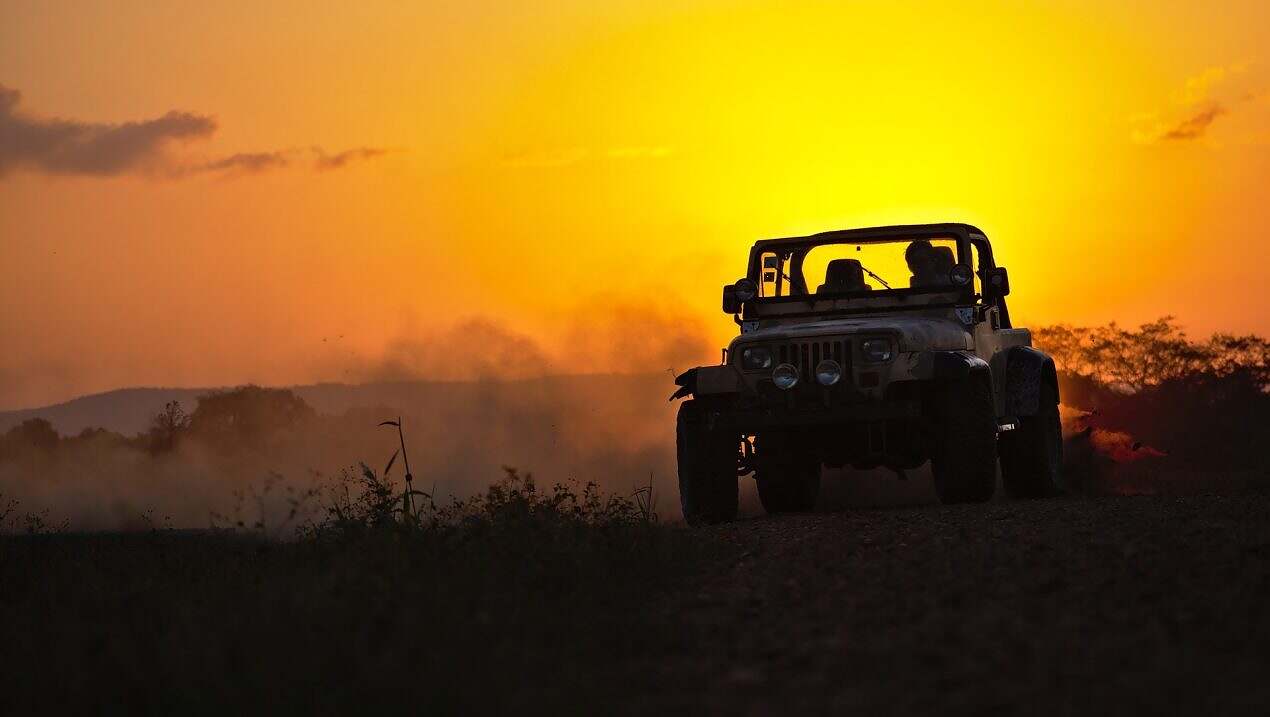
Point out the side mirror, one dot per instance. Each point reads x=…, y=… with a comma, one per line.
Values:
x=735, y=295
x=997, y=283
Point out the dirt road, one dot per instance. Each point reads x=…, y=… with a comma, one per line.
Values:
x=1066, y=606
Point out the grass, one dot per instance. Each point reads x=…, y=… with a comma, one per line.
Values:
x=516, y=597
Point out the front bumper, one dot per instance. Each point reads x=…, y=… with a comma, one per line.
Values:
x=749, y=419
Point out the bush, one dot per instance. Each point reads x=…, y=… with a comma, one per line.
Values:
x=476, y=606
x=1202, y=402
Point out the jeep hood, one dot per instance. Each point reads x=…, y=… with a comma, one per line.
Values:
x=916, y=333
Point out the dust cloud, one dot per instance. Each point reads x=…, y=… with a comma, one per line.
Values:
x=473, y=397
x=596, y=338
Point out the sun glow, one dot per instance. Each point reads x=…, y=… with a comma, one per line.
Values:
x=532, y=161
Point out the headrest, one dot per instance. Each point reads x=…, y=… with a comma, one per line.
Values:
x=844, y=272
x=843, y=275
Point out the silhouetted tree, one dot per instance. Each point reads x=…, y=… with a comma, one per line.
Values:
x=166, y=428
x=1206, y=402
x=31, y=436
x=1158, y=352
x=248, y=416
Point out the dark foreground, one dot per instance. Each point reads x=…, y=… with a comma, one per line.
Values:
x=1071, y=606
x=1077, y=606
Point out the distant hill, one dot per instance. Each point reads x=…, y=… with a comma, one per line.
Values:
x=125, y=410
x=129, y=410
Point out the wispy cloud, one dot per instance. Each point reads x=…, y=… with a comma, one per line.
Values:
x=1202, y=99
x=325, y=162
x=1195, y=126
x=314, y=157
x=60, y=146
x=77, y=147
x=247, y=162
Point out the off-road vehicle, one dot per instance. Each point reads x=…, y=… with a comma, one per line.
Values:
x=889, y=346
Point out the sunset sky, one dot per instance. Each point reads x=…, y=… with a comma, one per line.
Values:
x=211, y=193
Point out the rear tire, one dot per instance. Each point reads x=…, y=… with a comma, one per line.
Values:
x=708, y=459
x=1032, y=454
x=965, y=460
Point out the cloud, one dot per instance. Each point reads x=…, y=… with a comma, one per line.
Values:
x=326, y=162
x=60, y=146
x=1204, y=97
x=248, y=162
x=76, y=147
x=1195, y=126
x=315, y=157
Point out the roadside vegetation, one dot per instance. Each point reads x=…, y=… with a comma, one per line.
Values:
x=1196, y=413
x=515, y=594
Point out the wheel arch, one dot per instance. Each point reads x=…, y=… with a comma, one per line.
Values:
x=1026, y=369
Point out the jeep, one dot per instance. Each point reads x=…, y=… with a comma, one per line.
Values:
x=880, y=347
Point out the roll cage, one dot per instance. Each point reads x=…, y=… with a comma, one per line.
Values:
x=967, y=237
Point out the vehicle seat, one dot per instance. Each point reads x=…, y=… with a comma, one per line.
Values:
x=843, y=275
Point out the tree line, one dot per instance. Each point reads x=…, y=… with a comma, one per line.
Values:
x=1205, y=402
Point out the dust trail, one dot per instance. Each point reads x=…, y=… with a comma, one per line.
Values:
x=474, y=397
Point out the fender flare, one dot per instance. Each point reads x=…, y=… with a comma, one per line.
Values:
x=709, y=381
x=687, y=383
x=954, y=365
x=1026, y=368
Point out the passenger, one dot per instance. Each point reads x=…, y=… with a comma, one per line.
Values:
x=843, y=275
x=943, y=263
x=920, y=257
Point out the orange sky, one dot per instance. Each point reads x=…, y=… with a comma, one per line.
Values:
x=523, y=161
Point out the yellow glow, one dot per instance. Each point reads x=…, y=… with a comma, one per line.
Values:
x=545, y=154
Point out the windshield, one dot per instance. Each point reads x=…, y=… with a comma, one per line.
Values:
x=855, y=268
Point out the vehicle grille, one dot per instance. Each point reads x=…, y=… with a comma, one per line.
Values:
x=805, y=355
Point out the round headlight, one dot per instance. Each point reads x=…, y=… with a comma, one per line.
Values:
x=828, y=372
x=745, y=290
x=876, y=350
x=785, y=377
x=960, y=274
x=755, y=358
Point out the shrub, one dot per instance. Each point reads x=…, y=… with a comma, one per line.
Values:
x=1202, y=402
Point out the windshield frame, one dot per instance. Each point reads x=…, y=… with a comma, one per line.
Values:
x=798, y=247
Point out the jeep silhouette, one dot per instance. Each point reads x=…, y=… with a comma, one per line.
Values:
x=889, y=346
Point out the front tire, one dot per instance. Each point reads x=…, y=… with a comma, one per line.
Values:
x=708, y=455
x=965, y=460
x=1032, y=454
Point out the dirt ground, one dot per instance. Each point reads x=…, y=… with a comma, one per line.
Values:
x=1066, y=606
x=882, y=602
